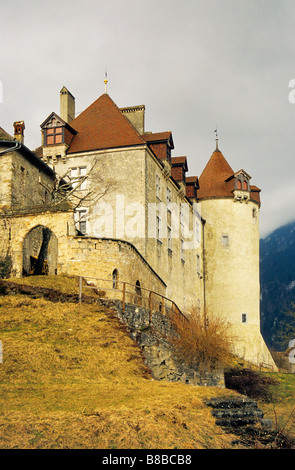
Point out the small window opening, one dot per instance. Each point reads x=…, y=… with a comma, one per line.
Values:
x=225, y=240
x=115, y=279
x=244, y=317
x=138, y=297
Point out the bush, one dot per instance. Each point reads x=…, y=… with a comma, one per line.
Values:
x=250, y=383
x=203, y=346
x=5, y=267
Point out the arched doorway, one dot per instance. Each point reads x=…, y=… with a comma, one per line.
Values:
x=40, y=252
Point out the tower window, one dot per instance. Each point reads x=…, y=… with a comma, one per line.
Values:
x=244, y=317
x=115, y=279
x=242, y=182
x=225, y=240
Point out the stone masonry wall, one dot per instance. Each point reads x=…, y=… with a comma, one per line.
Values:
x=153, y=338
x=98, y=258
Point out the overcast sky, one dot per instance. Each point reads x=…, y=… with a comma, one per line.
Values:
x=195, y=64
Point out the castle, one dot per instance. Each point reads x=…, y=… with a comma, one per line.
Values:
x=120, y=207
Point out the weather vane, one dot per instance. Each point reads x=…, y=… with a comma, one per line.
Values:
x=105, y=81
x=216, y=138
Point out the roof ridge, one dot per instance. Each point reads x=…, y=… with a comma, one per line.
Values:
x=102, y=125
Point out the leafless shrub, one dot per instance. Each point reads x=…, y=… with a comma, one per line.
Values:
x=206, y=345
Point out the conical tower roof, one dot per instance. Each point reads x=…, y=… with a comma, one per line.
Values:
x=213, y=181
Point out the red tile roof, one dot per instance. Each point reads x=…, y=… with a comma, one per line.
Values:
x=255, y=194
x=217, y=179
x=179, y=161
x=157, y=136
x=192, y=180
x=102, y=126
x=212, y=180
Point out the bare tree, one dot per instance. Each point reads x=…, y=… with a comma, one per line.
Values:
x=67, y=188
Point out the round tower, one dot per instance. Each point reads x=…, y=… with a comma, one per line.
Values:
x=230, y=207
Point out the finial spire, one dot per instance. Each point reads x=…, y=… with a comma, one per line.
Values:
x=216, y=138
x=105, y=82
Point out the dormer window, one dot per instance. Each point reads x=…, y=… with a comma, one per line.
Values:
x=54, y=132
x=245, y=185
x=54, y=135
x=242, y=181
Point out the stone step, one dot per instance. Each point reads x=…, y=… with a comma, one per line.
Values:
x=236, y=422
x=231, y=403
x=235, y=412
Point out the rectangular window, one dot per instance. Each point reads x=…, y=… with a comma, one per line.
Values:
x=158, y=227
x=82, y=221
x=158, y=187
x=54, y=135
x=169, y=199
x=181, y=215
x=198, y=265
x=169, y=239
x=82, y=174
x=76, y=175
x=244, y=317
x=182, y=253
x=225, y=240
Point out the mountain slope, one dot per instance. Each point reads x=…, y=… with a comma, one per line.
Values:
x=277, y=280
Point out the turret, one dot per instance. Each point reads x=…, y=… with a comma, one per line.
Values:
x=230, y=207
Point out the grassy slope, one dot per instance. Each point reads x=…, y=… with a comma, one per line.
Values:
x=281, y=410
x=72, y=378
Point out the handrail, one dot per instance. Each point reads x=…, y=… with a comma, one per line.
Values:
x=136, y=295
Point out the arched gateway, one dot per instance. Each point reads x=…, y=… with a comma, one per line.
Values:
x=40, y=252
x=24, y=234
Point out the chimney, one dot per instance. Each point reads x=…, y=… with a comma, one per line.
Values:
x=135, y=114
x=19, y=127
x=67, y=105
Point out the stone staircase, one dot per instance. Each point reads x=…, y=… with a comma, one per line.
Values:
x=241, y=417
x=236, y=412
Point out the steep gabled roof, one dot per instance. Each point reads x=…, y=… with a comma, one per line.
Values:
x=103, y=126
x=63, y=123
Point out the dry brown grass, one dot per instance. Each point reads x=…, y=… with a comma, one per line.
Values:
x=71, y=377
x=203, y=344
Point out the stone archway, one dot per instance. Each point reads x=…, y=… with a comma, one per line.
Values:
x=40, y=252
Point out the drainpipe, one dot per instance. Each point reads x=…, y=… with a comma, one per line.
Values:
x=204, y=271
x=16, y=146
